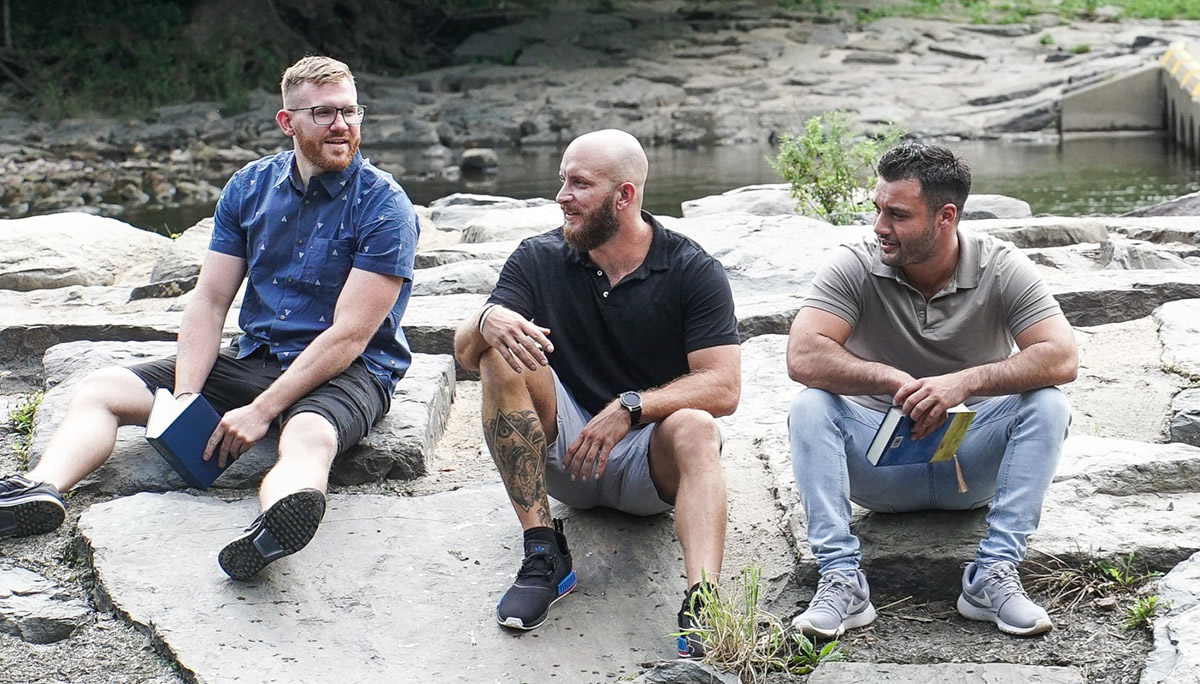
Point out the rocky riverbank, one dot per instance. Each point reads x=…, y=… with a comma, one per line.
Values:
x=672, y=73
x=400, y=583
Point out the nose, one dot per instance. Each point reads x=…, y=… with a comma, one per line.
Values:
x=880, y=224
x=562, y=195
x=339, y=121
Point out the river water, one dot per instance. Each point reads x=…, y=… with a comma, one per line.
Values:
x=1093, y=175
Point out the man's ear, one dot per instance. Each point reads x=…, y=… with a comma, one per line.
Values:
x=284, y=120
x=948, y=215
x=626, y=192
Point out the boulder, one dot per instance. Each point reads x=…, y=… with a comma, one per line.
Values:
x=512, y=223
x=1179, y=330
x=983, y=206
x=398, y=447
x=36, y=610
x=1185, y=205
x=475, y=277
x=61, y=250
x=1175, y=656
x=455, y=211
x=479, y=161
x=182, y=259
x=1049, y=231
x=774, y=199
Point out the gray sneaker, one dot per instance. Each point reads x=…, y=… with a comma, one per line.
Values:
x=993, y=593
x=842, y=602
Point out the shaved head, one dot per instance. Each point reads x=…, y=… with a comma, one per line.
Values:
x=613, y=154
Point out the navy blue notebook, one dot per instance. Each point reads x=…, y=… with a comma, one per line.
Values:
x=893, y=443
x=179, y=430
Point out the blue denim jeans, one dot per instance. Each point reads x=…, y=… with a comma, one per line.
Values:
x=1008, y=459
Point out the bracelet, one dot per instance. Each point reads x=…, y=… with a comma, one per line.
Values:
x=484, y=314
x=183, y=394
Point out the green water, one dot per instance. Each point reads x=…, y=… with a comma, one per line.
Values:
x=1098, y=175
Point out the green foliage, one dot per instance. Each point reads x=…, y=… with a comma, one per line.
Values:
x=829, y=165
x=20, y=419
x=1142, y=613
x=1081, y=49
x=740, y=637
x=1046, y=39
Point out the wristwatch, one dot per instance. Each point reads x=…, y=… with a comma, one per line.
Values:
x=632, y=402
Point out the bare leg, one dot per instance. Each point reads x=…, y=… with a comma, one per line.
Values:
x=105, y=400
x=516, y=406
x=685, y=466
x=307, y=447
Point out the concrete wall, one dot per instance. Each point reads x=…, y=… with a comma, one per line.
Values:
x=1181, y=85
x=1129, y=102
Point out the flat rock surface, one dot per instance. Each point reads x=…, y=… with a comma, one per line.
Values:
x=388, y=586
x=950, y=673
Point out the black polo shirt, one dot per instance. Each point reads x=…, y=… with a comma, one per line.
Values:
x=634, y=336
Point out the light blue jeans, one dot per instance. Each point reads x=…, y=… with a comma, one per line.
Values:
x=1008, y=458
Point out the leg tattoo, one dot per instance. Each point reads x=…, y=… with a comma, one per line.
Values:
x=518, y=446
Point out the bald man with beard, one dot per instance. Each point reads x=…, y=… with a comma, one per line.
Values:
x=606, y=351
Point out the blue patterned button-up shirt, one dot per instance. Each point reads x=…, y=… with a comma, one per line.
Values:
x=299, y=246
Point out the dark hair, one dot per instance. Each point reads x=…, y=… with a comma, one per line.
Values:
x=944, y=177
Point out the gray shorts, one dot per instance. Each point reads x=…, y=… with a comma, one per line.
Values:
x=352, y=402
x=625, y=485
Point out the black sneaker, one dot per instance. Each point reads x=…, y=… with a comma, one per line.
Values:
x=281, y=530
x=28, y=507
x=546, y=575
x=690, y=642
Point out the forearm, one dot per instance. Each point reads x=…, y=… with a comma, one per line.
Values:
x=827, y=365
x=1044, y=364
x=707, y=390
x=199, y=342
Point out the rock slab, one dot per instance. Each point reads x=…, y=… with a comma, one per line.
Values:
x=391, y=589
x=35, y=609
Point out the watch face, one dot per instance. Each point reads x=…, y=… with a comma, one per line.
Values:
x=631, y=400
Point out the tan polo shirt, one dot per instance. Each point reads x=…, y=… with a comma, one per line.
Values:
x=995, y=293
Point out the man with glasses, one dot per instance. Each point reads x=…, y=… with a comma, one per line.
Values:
x=327, y=242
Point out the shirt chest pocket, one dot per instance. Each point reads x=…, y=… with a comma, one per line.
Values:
x=327, y=262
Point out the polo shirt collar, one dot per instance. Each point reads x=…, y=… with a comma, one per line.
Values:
x=966, y=274
x=657, y=257
x=332, y=182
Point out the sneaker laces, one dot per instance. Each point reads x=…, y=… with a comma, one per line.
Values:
x=827, y=588
x=15, y=483
x=1004, y=576
x=540, y=564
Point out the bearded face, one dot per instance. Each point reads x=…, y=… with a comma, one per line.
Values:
x=594, y=228
x=329, y=148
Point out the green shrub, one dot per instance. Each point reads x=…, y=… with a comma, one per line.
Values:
x=830, y=166
x=1142, y=613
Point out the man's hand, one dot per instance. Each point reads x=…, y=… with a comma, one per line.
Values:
x=588, y=454
x=238, y=430
x=519, y=341
x=926, y=400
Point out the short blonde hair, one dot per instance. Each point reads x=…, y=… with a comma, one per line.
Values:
x=313, y=69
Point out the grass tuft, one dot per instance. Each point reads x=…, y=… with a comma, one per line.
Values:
x=1068, y=586
x=742, y=638
x=1142, y=613
x=20, y=419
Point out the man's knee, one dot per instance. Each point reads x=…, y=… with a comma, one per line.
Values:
x=1050, y=406
x=308, y=434
x=114, y=389
x=810, y=406
x=692, y=437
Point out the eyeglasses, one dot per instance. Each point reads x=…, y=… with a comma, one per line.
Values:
x=324, y=115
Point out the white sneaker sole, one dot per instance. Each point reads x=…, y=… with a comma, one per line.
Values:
x=973, y=612
x=855, y=621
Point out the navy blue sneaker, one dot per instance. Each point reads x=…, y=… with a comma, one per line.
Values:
x=28, y=507
x=546, y=575
x=281, y=530
x=690, y=642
